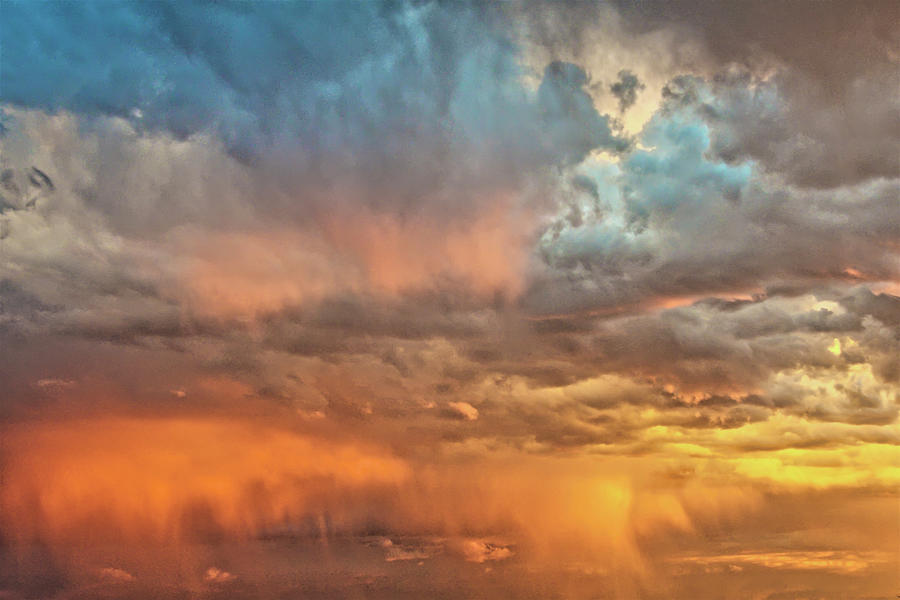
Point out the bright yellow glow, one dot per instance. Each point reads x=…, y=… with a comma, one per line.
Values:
x=835, y=347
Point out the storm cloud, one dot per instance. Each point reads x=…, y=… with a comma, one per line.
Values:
x=464, y=296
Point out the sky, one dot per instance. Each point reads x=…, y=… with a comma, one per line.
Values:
x=525, y=300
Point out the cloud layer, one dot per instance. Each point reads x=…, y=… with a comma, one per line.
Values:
x=584, y=290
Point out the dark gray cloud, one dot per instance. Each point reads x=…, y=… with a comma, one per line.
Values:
x=684, y=221
x=23, y=189
x=626, y=89
x=857, y=138
x=830, y=41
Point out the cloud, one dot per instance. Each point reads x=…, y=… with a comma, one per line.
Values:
x=389, y=86
x=835, y=119
x=463, y=410
x=682, y=222
x=54, y=384
x=760, y=120
x=216, y=575
x=440, y=304
x=125, y=461
x=114, y=574
x=23, y=189
x=626, y=89
x=840, y=562
x=788, y=35
x=479, y=551
x=576, y=128
x=410, y=550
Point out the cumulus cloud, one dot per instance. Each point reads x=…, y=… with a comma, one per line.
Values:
x=683, y=222
x=836, y=123
x=391, y=89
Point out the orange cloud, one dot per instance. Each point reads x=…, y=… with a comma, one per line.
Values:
x=79, y=484
x=243, y=273
x=488, y=254
x=168, y=480
x=844, y=562
x=464, y=410
x=171, y=479
x=240, y=274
